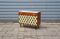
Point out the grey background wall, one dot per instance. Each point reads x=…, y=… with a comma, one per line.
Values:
x=50, y=9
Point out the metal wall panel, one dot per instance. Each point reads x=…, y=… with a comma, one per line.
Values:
x=50, y=8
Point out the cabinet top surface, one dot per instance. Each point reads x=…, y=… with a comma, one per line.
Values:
x=28, y=11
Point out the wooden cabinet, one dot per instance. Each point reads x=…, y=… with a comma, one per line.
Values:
x=29, y=18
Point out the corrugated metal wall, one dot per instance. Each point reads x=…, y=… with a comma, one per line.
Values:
x=50, y=8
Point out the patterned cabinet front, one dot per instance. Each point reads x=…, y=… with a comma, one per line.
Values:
x=30, y=18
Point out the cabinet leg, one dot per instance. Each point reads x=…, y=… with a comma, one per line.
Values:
x=36, y=27
x=21, y=25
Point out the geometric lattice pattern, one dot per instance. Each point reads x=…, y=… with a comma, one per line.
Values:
x=31, y=20
x=27, y=18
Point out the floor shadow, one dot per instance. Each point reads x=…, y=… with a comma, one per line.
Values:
x=31, y=27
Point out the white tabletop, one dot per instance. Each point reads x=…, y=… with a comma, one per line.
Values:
x=28, y=11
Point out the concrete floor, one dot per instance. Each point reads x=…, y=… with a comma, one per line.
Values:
x=14, y=31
